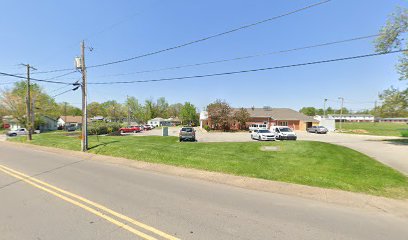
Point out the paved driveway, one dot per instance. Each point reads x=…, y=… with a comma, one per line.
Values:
x=380, y=148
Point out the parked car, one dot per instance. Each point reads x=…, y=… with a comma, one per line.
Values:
x=147, y=127
x=283, y=133
x=19, y=131
x=187, y=133
x=263, y=135
x=130, y=129
x=253, y=127
x=71, y=127
x=317, y=129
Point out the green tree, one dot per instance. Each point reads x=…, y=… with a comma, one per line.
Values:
x=391, y=37
x=242, y=116
x=309, y=111
x=13, y=102
x=219, y=113
x=114, y=110
x=96, y=109
x=67, y=109
x=135, y=108
x=174, y=110
x=188, y=114
x=394, y=103
x=161, y=107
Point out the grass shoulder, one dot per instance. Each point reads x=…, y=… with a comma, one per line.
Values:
x=303, y=162
x=378, y=129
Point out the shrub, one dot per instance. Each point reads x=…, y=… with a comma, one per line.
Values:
x=207, y=128
x=98, y=128
x=404, y=133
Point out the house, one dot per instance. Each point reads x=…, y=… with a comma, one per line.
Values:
x=97, y=119
x=271, y=117
x=157, y=122
x=70, y=120
x=47, y=124
x=11, y=123
x=352, y=117
x=203, y=119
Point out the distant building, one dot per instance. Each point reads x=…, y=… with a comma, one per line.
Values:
x=48, y=124
x=392, y=120
x=268, y=116
x=352, y=117
x=63, y=121
x=158, y=122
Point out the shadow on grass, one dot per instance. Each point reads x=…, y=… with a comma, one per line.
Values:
x=102, y=144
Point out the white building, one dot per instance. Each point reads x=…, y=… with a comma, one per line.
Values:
x=327, y=122
x=157, y=122
x=203, y=118
x=352, y=117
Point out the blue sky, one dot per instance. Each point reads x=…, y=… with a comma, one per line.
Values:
x=47, y=35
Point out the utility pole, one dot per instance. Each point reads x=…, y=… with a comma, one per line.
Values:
x=82, y=67
x=375, y=110
x=324, y=108
x=28, y=102
x=128, y=111
x=341, y=113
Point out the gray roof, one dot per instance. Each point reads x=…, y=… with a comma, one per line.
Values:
x=279, y=114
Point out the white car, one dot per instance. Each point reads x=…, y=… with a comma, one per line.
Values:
x=263, y=134
x=283, y=133
x=19, y=131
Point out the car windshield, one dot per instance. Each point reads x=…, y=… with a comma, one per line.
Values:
x=320, y=127
x=285, y=129
x=264, y=131
x=187, y=129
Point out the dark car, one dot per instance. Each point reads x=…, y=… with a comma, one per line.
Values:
x=317, y=129
x=187, y=133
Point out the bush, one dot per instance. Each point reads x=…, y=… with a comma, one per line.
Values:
x=404, y=133
x=207, y=128
x=98, y=128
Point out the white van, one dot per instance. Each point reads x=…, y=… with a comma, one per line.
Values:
x=283, y=133
x=256, y=126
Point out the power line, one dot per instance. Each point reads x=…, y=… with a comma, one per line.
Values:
x=212, y=36
x=62, y=93
x=244, y=57
x=34, y=79
x=252, y=70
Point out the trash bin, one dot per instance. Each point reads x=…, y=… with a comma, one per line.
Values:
x=165, y=131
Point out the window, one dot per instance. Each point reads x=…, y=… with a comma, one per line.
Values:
x=284, y=123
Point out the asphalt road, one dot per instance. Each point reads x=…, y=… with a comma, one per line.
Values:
x=157, y=204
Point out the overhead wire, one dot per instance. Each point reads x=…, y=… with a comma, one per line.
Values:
x=212, y=36
x=251, y=70
x=33, y=79
x=244, y=57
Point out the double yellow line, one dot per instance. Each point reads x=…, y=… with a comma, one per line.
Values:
x=90, y=206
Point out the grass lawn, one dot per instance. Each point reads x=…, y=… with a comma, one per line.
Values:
x=302, y=162
x=369, y=128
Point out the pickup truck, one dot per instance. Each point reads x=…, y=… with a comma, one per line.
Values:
x=19, y=131
x=130, y=129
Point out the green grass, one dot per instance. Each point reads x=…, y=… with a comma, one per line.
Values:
x=302, y=162
x=379, y=129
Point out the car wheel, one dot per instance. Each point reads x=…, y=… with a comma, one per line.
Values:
x=259, y=138
x=134, y=131
x=180, y=139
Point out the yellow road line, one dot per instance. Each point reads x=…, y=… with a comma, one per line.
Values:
x=30, y=180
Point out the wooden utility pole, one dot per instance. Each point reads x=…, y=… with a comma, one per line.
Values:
x=29, y=124
x=341, y=112
x=84, y=142
x=128, y=111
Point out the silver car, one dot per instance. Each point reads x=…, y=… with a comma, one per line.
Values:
x=317, y=129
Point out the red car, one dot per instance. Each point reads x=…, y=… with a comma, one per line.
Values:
x=130, y=129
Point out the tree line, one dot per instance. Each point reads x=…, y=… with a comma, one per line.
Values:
x=13, y=103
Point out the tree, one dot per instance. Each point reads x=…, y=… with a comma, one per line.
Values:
x=395, y=103
x=174, y=110
x=161, y=107
x=391, y=37
x=13, y=102
x=149, y=110
x=96, y=109
x=66, y=109
x=309, y=111
x=188, y=113
x=114, y=110
x=219, y=113
x=242, y=116
x=136, y=109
